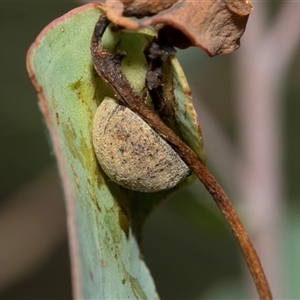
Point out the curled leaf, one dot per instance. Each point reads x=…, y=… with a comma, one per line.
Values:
x=213, y=25
x=104, y=219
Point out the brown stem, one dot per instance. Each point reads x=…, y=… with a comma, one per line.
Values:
x=108, y=66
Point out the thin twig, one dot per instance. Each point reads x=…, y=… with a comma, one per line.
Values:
x=108, y=66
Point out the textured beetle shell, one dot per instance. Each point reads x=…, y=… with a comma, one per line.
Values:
x=131, y=153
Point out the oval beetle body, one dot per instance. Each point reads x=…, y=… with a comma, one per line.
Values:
x=131, y=153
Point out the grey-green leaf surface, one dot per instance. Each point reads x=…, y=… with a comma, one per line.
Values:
x=104, y=219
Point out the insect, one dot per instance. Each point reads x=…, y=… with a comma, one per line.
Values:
x=131, y=153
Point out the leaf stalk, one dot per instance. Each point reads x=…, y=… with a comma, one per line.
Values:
x=108, y=66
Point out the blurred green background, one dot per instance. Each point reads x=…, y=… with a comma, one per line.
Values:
x=188, y=247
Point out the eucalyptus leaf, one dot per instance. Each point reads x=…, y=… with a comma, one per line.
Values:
x=104, y=219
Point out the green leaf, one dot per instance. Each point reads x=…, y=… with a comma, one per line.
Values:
x=104, y=219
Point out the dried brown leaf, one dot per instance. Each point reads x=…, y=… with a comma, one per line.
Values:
x=213, y=25
x=142, y=8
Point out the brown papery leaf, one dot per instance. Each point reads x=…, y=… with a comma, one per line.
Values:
x=213, y=25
